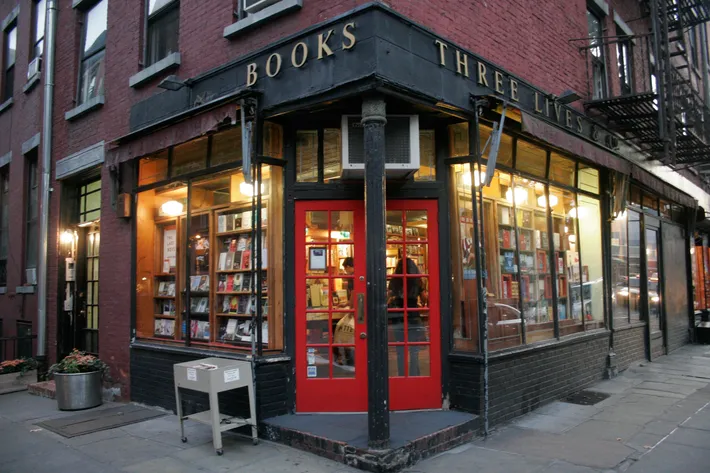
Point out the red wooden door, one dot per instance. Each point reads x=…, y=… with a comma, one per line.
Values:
x=331, y=358
x=331, y=343
x=414, y=340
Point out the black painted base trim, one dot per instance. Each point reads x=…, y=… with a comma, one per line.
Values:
x=377, y=461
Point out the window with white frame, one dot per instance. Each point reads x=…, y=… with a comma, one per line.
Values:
x=93, y=52
x=624, y=58
x=38, y=16
x=163, y=29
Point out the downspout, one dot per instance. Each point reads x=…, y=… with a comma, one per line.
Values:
x=51, y=28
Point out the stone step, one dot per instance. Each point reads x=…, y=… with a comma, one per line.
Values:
x=43, y=389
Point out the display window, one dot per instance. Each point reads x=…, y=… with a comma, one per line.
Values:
x=536, y=269
x=209, y=262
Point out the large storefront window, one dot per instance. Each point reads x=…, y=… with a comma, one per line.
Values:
x=535, y=265
x=620, y=270
x=208, y=257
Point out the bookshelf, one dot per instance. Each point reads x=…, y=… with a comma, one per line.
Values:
x=236, y=292
x=165, y=278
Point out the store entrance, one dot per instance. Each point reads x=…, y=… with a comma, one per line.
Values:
x=331, y=319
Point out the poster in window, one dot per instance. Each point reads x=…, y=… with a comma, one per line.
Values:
x=317, y=259
x=169, y=249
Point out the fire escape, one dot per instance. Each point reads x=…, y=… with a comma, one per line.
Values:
x=660, y=104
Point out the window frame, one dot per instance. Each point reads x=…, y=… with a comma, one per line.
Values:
x=626, y=82
x=152, y=19
x=598, y=62
x=82, y=58
x=8, y=70
x=4, y=219
x=35, y=28
x=31, y=222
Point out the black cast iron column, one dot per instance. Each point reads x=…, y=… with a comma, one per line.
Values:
x=378, y=418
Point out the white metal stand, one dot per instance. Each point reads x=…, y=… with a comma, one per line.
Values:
x=213, y=376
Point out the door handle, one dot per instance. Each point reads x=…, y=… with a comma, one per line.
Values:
x=361, y=308
x=363, y=335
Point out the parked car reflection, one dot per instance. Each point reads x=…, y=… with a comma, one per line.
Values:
x=629, y=295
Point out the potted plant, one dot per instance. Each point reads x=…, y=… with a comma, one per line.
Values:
x=78, y=379
x=15, y=375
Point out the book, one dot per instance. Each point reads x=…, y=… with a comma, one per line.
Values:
x=233, y=304
x=237, y=221
x=161, y=289
x=194, y=283
x=246, y=260
x=231, y=331
x=229, y=222
x=225, y=305
x=204, y=285
x=168, y=327
x=242, y=304
x=237, y=282
x=169, y=307
x=243, y=243
x=158, y=327
x=509, y=262
x=556, y=240
x=545, y=242
x=246, y=282
x=222, y=223
x=222, y=265
x=505, y=216
x=222, y=284
x=506, y=238
x=246, y=219
x=170, y=288
x=203, y=305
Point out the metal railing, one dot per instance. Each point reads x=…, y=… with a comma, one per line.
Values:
x=12, y=348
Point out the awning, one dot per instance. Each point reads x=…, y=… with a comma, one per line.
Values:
x=660, y=187
x=577, y=146
x=573, y=144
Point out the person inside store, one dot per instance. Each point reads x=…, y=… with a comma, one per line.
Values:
x=416, y=331
x=349, y=269
x=344, y=331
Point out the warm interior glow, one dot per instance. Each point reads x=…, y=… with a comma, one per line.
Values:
x=521, y=195
x=248, y=189
x=66, y=238
x=577, y=212
x=171, y=208
x=467, y=178
x=542, y=200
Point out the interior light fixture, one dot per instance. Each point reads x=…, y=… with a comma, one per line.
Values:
x=248, y=189
x=171, y=208
x=576, y=212
x=467, y=178
x=541, y=201
x=518, y=194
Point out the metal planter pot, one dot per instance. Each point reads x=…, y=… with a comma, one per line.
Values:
x=78, y=390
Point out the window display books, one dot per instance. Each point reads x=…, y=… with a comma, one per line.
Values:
x=169, y=307
x=166, y=288
x=164, y=327
x=199, y=305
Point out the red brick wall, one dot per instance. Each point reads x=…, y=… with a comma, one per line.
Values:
x=18, y=124
x=527, y=37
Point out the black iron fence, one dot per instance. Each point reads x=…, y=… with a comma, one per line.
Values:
x=16, y=347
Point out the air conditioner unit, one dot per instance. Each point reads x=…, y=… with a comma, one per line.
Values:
x=253, y=6
x=401, y=145
x=34, y=67
x=31, y=276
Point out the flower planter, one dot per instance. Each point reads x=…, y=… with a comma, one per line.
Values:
x=78, y=390
x=12, y=382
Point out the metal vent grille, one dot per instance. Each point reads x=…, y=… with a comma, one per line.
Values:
x=397, y=140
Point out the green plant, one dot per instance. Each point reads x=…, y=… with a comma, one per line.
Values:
x=21, y=365
x=79, y=362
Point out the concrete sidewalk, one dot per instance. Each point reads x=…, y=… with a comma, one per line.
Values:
x=657, y=419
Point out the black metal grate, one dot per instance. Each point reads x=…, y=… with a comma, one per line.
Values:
x=397, y=139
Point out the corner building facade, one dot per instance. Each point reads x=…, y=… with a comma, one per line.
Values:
x=374, y=203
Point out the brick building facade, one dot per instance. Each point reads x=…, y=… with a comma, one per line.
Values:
x=135, y=81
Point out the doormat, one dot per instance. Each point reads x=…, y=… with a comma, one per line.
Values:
x=99, y=419
x=586, y=398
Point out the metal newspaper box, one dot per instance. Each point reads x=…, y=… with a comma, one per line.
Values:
x=213, y=376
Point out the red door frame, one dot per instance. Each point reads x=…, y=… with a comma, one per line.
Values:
x=350, y=394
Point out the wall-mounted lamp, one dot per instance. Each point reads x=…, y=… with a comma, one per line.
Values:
x=567, y=97
x=172, y=82
x=171, y=208
x=248, y=189
x=541, y=201
x=467, y=178
x=66, y=237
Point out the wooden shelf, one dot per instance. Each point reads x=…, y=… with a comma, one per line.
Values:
x=236, y=315
x=164, y=297
x=163, y=316
x=242, y=293
x=227, y=271
x=240, y=231
x=162, y=275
